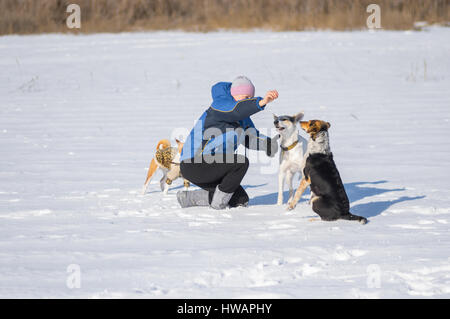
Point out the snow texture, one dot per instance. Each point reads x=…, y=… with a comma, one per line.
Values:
x=80, y=117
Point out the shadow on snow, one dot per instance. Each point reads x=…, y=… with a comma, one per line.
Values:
x=355, y=191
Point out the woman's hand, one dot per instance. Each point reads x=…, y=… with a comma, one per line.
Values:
x=270, y=96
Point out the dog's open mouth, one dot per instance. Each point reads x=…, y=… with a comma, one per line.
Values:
x=280, y=128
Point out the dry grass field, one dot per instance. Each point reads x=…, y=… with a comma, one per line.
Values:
x=37, y=16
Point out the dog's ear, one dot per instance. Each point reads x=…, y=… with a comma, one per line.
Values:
x=299, y=116
x=275, y=117
x=180, y=145
x=324, y=126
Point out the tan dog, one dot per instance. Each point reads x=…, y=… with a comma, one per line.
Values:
x=167, y=159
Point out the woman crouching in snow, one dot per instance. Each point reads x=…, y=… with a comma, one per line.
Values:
x=208, y=158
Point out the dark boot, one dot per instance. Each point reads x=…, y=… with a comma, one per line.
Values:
x=239, y=198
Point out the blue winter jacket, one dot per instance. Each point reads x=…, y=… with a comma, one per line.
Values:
x=220, y=128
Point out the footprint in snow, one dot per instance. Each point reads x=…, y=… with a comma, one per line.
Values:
x=342, y=254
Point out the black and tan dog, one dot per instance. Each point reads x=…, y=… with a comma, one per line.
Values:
x=328, y=197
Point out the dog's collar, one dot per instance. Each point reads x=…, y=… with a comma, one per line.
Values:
x=285, y=149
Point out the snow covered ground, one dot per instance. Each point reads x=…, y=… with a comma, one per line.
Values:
x=80, y=117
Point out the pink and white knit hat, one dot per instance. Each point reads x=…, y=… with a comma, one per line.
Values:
x=242, y=86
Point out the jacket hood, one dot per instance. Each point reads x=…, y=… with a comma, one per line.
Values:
x=221, y=90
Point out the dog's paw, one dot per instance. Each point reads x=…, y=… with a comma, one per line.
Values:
x=280, y=201
x=291, y=205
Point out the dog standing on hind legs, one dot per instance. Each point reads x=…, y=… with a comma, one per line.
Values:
x=293, y=147
x=328, y=197
x=167, y=159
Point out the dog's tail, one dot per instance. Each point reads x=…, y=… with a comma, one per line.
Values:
x=163, y=144
x=350, y=216
x=151, y=171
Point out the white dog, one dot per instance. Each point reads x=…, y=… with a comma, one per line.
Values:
x=292, y=150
